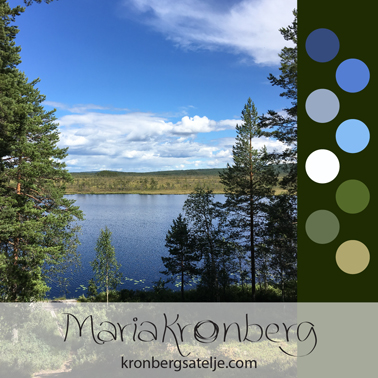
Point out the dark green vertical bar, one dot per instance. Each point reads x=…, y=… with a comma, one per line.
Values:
x=319, y=277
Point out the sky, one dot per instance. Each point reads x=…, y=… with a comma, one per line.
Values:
x=153, y=85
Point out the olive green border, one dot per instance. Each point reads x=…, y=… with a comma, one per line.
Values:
x=319, y=278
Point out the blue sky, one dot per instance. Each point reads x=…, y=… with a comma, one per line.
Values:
x=148, y=85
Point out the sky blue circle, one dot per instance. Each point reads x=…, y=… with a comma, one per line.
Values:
x=322, y=45
x=352, y=136
x=352, y=75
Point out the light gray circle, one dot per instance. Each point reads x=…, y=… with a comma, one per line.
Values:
x=322, y=105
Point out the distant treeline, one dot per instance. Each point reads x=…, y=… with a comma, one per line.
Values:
x=187, y=172
x=162, y=182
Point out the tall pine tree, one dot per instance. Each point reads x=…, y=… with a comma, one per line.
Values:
x=247, y=182
x=280, y=234
x=38, y=231
x=284, y=126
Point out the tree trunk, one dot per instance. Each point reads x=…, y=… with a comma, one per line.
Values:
x=182, y=279
x=241, y=273
x=213, y=268
x=18, y=191
x=107, y=284
x=253, y=264
x=182, y=286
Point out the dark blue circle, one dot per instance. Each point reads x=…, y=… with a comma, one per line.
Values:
x=352, y=75
x=322, y=45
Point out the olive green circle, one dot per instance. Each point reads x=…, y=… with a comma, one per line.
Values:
x=352, y=196
x=352, y=257
x=322, y=226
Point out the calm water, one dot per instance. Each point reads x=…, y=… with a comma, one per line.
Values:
x=138, y=224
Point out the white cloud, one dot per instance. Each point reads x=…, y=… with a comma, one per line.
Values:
x=249, y=27
x=79, y=108
x=146, y=142
x=136, y=126
x=136, y=141
x=196, y=124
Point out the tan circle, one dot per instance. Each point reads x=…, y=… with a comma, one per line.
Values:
x=352, y=257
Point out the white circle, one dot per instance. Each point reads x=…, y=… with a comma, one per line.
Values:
x=322, y=166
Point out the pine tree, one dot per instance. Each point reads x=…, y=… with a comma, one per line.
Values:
x=105, y=266
x=38, y=231
x=183, y=258
x=207, y=222
x=279, y=236
x=249, y=180
x=284, y=127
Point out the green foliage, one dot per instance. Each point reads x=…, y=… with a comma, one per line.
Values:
x=284, y=127
x=278, y=249
x=107, y=174
x=181, y=263
x=38, y=231
x=30, y=2
x=233, y=293
x=92, y=288
x=161, y=293
x=207, y=222
x=153, y=184
x=105, y=266
x=279, y=240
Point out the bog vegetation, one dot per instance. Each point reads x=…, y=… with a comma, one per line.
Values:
x=164, y=182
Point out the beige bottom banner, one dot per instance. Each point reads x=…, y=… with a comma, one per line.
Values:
x=187, y=340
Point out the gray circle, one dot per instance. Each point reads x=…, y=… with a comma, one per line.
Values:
x=322, y=105
x=322, y=226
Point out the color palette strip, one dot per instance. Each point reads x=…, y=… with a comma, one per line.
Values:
x=323, y=166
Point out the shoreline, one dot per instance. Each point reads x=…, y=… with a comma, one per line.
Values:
x=278, y=192
x=141, y=193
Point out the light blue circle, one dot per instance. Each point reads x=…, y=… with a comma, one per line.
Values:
x=352, y=136
x=352, y=75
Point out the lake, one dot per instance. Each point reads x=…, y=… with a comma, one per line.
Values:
x=138, y=224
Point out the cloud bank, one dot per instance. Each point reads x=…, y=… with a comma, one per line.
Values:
x=247, y=27
x=143, y=142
